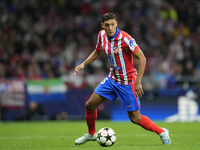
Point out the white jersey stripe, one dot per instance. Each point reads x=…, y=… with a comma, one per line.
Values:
x=106, y=48
x=121, y=57
x=102, y=33
x=126, y=40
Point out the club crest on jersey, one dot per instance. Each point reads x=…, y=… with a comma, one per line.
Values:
x=116, y=49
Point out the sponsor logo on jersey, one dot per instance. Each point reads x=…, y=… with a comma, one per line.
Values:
x=110, y=58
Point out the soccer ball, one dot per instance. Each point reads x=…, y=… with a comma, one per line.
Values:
x=106, y=137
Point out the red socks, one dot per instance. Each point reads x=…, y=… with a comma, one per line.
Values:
x=91, y=117
x=147, y=124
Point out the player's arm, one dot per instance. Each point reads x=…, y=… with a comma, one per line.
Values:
x=91, y=58
x=141, y=67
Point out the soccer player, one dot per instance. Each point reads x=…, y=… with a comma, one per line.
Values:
x=123, y=80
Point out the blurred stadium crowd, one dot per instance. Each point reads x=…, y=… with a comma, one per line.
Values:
x=48, y=38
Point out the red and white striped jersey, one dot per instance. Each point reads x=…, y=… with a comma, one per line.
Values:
x=119, y=50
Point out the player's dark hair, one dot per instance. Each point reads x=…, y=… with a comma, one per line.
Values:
x=108, y=16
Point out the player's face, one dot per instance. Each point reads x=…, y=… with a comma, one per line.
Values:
x=110, y=27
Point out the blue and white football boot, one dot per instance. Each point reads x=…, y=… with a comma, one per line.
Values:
x=165, y=137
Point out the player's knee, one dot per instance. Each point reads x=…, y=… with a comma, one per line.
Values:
x=89, y=106
x=135, y=117
x=135, y=120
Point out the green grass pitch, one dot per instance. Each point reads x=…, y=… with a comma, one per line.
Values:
x=61, y=136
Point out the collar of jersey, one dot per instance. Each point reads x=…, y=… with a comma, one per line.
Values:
x=117, y=31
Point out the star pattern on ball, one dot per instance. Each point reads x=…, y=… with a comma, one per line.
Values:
x=106, y=137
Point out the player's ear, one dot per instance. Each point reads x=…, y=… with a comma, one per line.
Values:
x=116, y=23
x=102, y=25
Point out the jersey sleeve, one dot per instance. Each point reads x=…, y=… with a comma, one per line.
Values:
x=98, y=45
x=131, y=44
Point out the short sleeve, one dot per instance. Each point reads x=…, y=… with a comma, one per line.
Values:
x=131, y=43
x=98, y=45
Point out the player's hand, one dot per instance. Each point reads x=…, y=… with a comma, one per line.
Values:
x=139, y=90
x=79, y=67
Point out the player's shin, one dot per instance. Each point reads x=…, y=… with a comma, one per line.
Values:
x=91, y=117
x=147, y=124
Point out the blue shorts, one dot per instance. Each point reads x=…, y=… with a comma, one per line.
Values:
x=126, y=93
